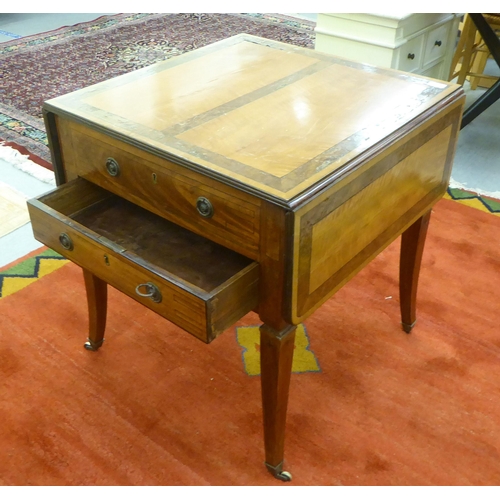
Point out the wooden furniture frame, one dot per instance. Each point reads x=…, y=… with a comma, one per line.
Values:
x=283, y=169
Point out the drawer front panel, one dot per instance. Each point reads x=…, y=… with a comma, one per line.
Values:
x=178, y=306
x=436, y=44
x=165, y=189
x=435, y=71
x=410, y=55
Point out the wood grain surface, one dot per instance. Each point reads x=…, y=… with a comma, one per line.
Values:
x=345, y=227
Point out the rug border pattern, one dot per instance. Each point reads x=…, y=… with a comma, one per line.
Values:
x=474, y=200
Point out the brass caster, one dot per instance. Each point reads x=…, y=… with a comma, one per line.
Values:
x=92, y=346
x=408, y=328
x=284, y=476
x=279, y=473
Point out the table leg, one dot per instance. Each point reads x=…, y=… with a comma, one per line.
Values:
x=97, y=300
x=276, y=355
x=412, y=248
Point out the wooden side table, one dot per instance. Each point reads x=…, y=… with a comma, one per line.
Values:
x=246, y=175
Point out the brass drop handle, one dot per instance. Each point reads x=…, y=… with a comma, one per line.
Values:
x=204, y=207
x=411, y=56
x=66, y=241
x=112, y=167
x=150, y=291
x=438, y=43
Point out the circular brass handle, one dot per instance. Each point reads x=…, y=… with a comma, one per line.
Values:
x=411, y=56
x=204, y=207
x=151, y=291
x=66, y=241
x=112, y=167
x=438, y=43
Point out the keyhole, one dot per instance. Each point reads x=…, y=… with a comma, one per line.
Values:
x=155, y=179
x=106, y=260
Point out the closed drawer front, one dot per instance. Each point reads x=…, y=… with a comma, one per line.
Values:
x=436, y=44
x=410, y=55
x=195, y=283
x=435, y=71
x=227, y=216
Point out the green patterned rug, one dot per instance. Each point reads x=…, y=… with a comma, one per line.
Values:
x=18, y=276
x=474, y=200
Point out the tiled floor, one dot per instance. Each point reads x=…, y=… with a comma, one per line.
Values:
x=477, y=162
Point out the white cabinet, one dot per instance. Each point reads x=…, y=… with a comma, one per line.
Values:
x=417, y=43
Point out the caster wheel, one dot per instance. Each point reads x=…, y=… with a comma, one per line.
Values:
x=408, y=328
x=284, y=476
x=90, y=346
x=278, y=472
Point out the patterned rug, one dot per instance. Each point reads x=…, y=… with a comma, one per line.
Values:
x=18, y=275
x=74, y=57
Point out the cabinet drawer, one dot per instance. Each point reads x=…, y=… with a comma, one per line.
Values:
x=193, y=282
x=436, y=44
x=169, y=190
x=410, y=55
x=435, y=71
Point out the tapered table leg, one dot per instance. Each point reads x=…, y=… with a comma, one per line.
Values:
x=412, y=248
x=276, y=355
x=97, y=300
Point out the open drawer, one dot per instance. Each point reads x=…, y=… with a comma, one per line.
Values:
x=197, y=284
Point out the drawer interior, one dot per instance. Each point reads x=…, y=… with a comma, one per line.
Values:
x=170, y=249
x=163, y=247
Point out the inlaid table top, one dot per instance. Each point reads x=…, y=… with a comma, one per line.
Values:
x=271, y=119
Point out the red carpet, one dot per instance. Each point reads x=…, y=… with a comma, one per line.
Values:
x=155, y=406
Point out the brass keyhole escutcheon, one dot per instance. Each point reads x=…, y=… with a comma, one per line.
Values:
x=106, y=260
x=155, y=178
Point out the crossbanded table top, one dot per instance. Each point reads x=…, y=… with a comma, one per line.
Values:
x=267, y=117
